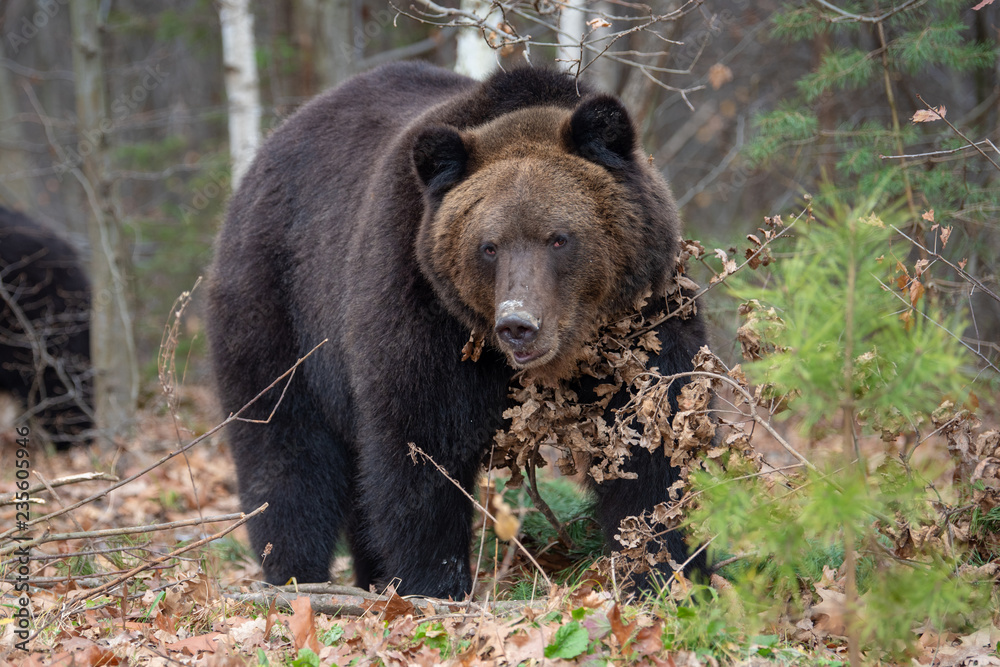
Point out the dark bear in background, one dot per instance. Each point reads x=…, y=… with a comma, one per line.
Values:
x=45, y=327
x=393, y=216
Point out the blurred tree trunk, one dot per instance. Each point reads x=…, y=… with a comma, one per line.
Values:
x=323, y=32
x=242, y=85
x=112, y=342
x=572, y=26
x=473, y=56
x=16, y=189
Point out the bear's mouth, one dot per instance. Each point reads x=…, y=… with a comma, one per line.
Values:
x=525, y=357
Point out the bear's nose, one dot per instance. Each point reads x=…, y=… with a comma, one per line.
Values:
x=517, y=329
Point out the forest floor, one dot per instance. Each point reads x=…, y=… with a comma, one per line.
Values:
x=193, y=608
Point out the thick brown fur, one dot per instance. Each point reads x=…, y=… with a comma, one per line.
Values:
x=394, y=216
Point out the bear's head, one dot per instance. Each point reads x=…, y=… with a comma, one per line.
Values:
x=541, y=224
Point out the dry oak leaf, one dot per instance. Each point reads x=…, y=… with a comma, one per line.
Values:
x=621, y=631
x=303, y=624
x=531, y=645
x=207, y=643
x=829, y=614
x=393, y=606
x=929, y=115
x=945, y=235
x=987, y=473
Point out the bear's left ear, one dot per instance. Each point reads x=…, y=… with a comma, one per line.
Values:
x=440, y=158
x=601, y=131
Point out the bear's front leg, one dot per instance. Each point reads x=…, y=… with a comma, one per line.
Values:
x=418, y=523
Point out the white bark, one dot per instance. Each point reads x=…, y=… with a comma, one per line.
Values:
x=242, y=85
x=572, y=26
x=474, y=57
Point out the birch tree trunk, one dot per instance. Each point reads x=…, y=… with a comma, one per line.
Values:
x=474, y=57
x=112, y=341
x=572, y=26
x=242, y=86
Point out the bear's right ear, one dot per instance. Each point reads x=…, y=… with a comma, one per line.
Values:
x=601, y=131
x=440, y=157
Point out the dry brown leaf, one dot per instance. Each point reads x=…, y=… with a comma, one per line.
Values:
x=529, y=645
x=982, y=4
x=506, y=525
x=719, y=75
x=928, y=215
x=929, y=115
x=621, y=631
x=303, y=624
x=916, y=291
x=83, y=652
x=987, y=476
x=473, y=349
x=829, y=615
x=207, y=643
x=393, y=606
x=945, y=235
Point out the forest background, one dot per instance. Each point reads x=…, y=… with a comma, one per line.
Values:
x=116, y=116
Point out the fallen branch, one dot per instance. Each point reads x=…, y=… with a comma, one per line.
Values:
x=111, y=532
x=349, y=601
x=8, y=498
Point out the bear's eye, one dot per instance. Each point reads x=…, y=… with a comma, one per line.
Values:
x=489, y=250
x=560, y=240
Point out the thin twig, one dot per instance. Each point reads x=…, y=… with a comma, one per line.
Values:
x=846, y=16
x=959, y=133
x=8, y=498
x=80, y=603
x=689, y=300
x=934, y=153
x=540, y=504
x=416, y=450
x=111, y=532
x=233, y=417
x=979, y=354
x=957, y=269
x=167, y=372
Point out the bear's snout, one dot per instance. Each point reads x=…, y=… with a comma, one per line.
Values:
x=517, y=328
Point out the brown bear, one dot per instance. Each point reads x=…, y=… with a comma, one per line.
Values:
x=394, y=216
x=45, y=328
